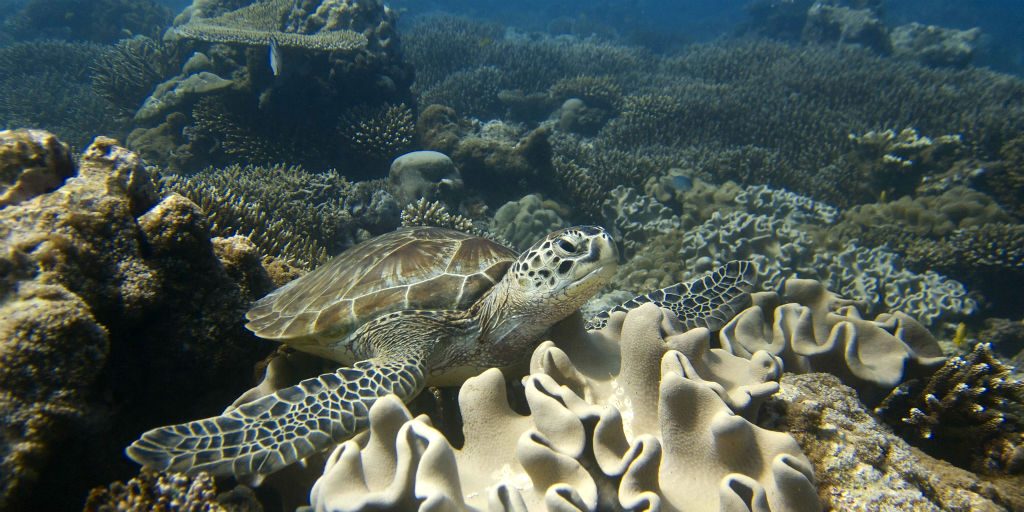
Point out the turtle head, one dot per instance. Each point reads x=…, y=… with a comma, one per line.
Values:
x=565, y=269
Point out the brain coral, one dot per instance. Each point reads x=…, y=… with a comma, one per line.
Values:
x=654, y=426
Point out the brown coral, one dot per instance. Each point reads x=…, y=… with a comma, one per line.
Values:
x=970, y=412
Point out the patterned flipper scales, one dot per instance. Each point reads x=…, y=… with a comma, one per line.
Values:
x=272, y=432
x=709, y=301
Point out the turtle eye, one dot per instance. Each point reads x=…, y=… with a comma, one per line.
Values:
x=566, y=245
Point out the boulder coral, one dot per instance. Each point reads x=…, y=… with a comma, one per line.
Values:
x=105, y=285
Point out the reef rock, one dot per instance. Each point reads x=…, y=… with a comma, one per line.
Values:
x=862, y=466
x=31, y=162
x=107, y=289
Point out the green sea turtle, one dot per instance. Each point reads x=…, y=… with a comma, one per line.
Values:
x=413, y=308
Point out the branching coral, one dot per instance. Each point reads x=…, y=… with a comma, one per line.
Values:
x=125, y=74
x=378, y=132
x=288, y=212
x=434, y=213
x=46, y=84
x=971, y=411
x=595, y=91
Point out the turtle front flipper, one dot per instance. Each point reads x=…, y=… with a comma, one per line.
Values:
x=709, y=301
x=265, y=435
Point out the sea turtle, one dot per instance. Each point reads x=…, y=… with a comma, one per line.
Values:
x=416, y=307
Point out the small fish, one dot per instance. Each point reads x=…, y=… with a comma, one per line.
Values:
x=960, y=336
x=275, y=57
x=682, y=183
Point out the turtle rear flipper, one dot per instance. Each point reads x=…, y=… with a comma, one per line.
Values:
x=709, y=301
x=272, y=432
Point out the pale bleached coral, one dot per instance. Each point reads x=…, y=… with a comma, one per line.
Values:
x=645, y=428
x=814, y=330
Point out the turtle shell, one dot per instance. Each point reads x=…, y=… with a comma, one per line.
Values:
x=422, y=268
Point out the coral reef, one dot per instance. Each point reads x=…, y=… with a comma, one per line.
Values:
x=102, y=21
x=970, y=412
x=126, y=73
x=378, y=132
x=862, y=466
x=894, y=163
x=157, y=492
x=813, y=330
x=241, y=107
x=259, y=23
x=107, y=284
x=424, y=175
x=288, y=212
x=527, y=220
x=663, y=423
x=832, y=24
x=32, y=162
x=935, y=46
x=635, y=218
x=47, y=85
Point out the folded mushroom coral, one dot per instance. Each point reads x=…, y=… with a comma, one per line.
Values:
x=650, y=429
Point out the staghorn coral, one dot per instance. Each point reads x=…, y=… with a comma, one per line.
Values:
x=157, y=492
x=655, y=425
x=814, y=330
x=471, y=92
x=46, y=85
x=126, y=73
x=431, y=42
x=595, y=91
x=288, y=212
x=379, y=132
x=435, y=213
x=261, y=22
x=970, y=412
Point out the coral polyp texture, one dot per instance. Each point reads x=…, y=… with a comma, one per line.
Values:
x=638, y=416
x=971, y=411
